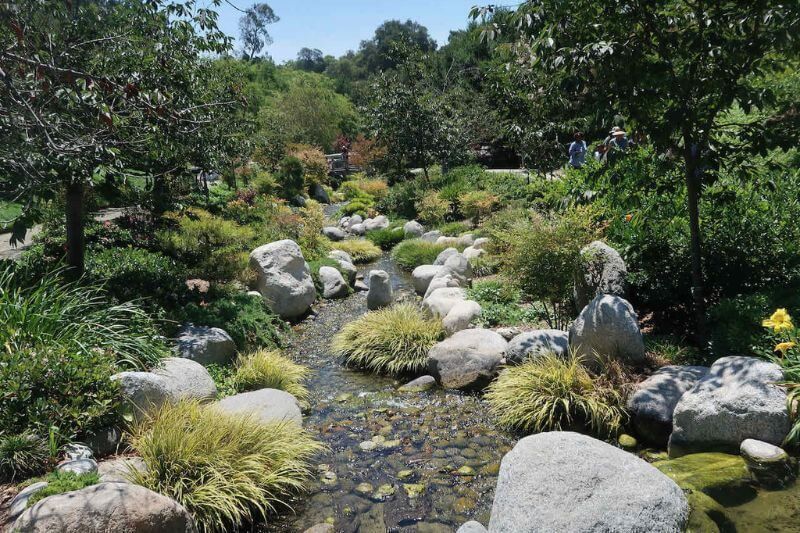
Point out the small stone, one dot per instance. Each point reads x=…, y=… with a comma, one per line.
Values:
x=769, y=465
x=20, y=501
x=321, y=528
x=79, y=466
x=343, y=397
x=472, y=527
x=329, y=478
x=364, y=488
x=414, y=490
x=420, y=384
x=73, y=452
x=405, y=474
x=384, y=492
x=368, y=445
x=379, y=439
x=627, y=442
x=465, y=471
x=389, y=444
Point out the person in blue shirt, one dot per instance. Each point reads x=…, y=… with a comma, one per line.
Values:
x=577, y=151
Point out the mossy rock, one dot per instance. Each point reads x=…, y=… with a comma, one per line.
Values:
x=706, y=472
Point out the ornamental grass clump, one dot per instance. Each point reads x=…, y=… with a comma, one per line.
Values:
x=391, y=341
x=550, y=393
x=226, y=470
x=360, y=250
x=412, y=253
x=22, y=456
x=269, y=369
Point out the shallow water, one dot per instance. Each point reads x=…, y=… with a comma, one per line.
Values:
x=425, y=462
x=434, y=455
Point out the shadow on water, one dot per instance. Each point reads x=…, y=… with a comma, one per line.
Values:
x=397, y=462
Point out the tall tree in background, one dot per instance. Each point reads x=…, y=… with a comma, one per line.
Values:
x=377, y=54
x=89, y=89
x=253, y=29
x=671, y=66
x=310, y=60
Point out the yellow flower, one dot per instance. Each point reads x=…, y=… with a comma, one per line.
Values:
x=784, y=347
x=779, y=321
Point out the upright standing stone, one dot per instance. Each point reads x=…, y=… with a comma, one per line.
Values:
x=380, y=290
x=601, y=270
x=608, y=328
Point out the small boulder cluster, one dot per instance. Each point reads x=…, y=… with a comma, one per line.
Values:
x=355, y=226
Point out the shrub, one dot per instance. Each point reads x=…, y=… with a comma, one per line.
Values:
x=210, y=247
x=432, y=208
x=290, y=177
x=247, y=319
x=360, y=250
x=22, y=456
x=61, y=482
x=540, y=254
x=131, y=273
x=360, y=206
x=500, y=304
x=74, y=317
x=269, y=369
x=309, y=235
x=477, y=204
x=392, y=341
x=454, y=228
x=366, y=153
x=315, y=166
x=227, y=471
x=549, y=393
x=401, y=200
x=412, y=253
x=377, y=189
x=386, y=238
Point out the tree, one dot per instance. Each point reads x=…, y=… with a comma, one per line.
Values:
x=671, y=67
x=92, y=89
x=412, y=119
x=377, y=54
x=310, y=60
x=253, y=29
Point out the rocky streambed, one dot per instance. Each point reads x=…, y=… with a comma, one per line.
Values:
x=398, y=461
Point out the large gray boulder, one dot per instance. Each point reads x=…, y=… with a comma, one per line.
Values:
x=358, y=229
x=480, y=244
x=447, y=241
x=468, y=360
x=532, y=344
x=380, y=290
x=441, y=301
x=461, y=316
x=465, y=240
x=120, y=469
x=20, y=502
x=205, y=345
x=564, y=481
x=413, y=229
x=459, y=266
x=333, y=233
x=444, y=255
x=175, y=379
x=266, y=405
x=122, y=507
x=422, y=276
x=442, y=280
x=318, y=193
x=739, y=398
x=339, y=255
x=608, y=328
x=470, y=252
x=379, y=222
x=284, y=279
x=601, y=270
x=333, y=284
x=652, y=404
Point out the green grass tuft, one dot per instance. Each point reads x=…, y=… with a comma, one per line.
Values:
x=415, y=252
x=22, y=456
x=226, y=470
x=265, y=369
x=554, y=394
x=360, y=250
x=392, y=341
x=386, y=238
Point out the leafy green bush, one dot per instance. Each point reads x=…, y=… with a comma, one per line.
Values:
x=247, y=319
x=227, y=471
x=360, y=250
x=75, y=317
x=550, y=393
x=392, y=341
x=61, y=482
x=290, y=177
x=359, y=207
x=454, y=228
x=401, y=200
x=412, y=253
x=210, y=247
x=500, y=304
x=22, y=455
x=477, y=205
x=432, y=208
x=539, y=254
x=386, y=238
x=132, y=273
x=269, y=369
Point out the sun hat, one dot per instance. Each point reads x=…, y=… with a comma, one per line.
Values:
x=614, y=130
x=618, y=132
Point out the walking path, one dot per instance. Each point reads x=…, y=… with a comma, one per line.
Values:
x=7, y=251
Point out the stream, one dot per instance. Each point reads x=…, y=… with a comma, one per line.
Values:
x=424, y=462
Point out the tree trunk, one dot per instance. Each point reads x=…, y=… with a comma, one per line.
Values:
x=74, y=227
x=693, y=184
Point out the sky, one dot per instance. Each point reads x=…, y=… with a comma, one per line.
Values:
x=338, y=26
